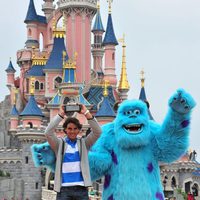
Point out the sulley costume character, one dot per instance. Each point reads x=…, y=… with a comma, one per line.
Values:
x=130, y=149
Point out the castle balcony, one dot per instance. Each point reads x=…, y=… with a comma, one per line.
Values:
x=24, y=55
x=31, y=135
x=97, y=46
x=63, y=4
x=8, y=155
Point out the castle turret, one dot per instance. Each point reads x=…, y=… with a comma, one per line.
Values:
x=124, y=86
x=10, y=75
x=97, y=47
x=32, y=114
x=14, y=114
x=54, y=67
x=48, y=7
x=33, y=20
x=105, y=113
x=142, y=95
x=28, y=133
x=109, y=43
x=79, y=15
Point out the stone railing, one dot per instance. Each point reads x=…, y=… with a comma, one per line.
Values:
x=10, y=155
x=79, y=3
x=48, y=194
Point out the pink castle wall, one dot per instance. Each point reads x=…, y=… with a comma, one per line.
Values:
x=35, y=121
x=78, y=40
x=110, y=65
x=13, y=123
x=10, y=78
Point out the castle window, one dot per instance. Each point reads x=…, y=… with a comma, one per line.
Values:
x=57, y=81
x=41, y=86
x=113, y=56
x=30, y=124
x=37, y=85
x=50, y=34
x=29, y=32
x=36, y=185
x=26, y=159
x=173, y=182
x=41, y=42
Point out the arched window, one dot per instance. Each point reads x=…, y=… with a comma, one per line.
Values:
x=41, y=86
x=29, y=32
x=37, y=85
x=173, y=182
x=30, y=124
x=50, y=34
x=113, y=56
x=195, y=189
x=41, y=42
x=57, y=81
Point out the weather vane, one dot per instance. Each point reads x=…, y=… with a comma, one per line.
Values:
x=109, y=2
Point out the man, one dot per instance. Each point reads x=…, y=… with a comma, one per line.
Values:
x=72, y=175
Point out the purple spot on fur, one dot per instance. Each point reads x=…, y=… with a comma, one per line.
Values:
x=185, y=123
x=114, y=157
x=150, y=167
x=159, y=196
x=110, y=197
x=107, y=181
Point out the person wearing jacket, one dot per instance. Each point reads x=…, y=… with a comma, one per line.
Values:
x=72, y=175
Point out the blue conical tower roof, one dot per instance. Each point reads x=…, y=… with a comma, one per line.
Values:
x=14, y=111
x=32, y=108
x=105, y=109
x=56, y=100
x=10, y=68
x=143, y=98
x=142, y=94
x=32, y=14
x=98, y=26
x=56, y=60
x=110, y=34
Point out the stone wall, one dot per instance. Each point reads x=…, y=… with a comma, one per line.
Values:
x=11, y=188
x=5, y=108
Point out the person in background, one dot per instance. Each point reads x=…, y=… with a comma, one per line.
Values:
x=72, y=175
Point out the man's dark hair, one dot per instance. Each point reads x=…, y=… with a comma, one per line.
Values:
x=72, y=120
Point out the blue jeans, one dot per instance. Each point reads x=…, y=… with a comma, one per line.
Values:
x=73, y=193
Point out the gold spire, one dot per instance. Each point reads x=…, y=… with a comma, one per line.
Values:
x=123, y=83
x=105, y=86
x=98, y=4
x=15, y=94
x=32, y=85
x=110, y=6
x=142, y=78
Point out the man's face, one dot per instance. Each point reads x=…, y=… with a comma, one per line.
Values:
x=72, y=131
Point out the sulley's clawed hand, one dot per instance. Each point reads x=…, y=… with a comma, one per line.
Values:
x=182, y=102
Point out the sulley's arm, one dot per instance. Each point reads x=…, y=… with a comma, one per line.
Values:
x=172, y=139
x=43, y=155
x=100, y=159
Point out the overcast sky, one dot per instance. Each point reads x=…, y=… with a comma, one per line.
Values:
x=162, y=37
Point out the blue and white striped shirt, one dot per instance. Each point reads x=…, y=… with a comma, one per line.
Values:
x=71, y=170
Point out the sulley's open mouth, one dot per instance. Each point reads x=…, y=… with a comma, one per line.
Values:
x=133, y=128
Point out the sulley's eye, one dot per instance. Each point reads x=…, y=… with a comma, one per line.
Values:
x=137, y=112
x=129, y=112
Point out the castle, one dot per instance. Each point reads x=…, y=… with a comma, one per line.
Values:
x=55, y=67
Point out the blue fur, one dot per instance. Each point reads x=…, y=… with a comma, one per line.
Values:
x=43, y=155
x=130, y=161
